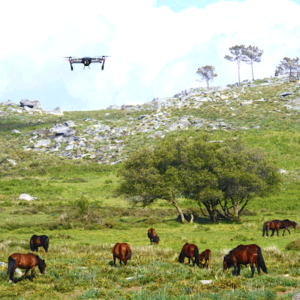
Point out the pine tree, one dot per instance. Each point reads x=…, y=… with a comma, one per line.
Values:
x=207, y=73
x=252, y=54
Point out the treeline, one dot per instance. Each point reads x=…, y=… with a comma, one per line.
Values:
x=251, y=55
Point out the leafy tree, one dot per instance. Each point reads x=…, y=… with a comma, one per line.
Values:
x=234, y=176
x=238, y=55
x=252, y=54
x=207, y=73
x=151, y=174
x=288, y=66
x=223, y=178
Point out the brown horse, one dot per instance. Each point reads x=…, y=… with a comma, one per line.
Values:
x=123, y=252
x=190, y=251
x=241, y=256
x=154, y=238
x=24, y=261
x=39, y=241
x=276, y=225
x=206, y=256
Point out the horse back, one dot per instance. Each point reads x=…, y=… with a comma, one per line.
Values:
x=24, y=261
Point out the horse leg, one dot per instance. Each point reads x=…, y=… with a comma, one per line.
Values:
x=277, y=232
x=27, y=270
x=114, y=260
x=267, y=232
x=258, y=268
x=273, y=230
x=288, y=230
x=252, y=270
x=32, y=271
x=235, y=271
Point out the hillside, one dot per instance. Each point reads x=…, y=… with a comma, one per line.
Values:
x=68, y=161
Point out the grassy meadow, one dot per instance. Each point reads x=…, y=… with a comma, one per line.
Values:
x=78, y=209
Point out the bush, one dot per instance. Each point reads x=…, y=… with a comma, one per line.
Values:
x=294, y=245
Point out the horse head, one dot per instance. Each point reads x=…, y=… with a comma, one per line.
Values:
x=42, y=265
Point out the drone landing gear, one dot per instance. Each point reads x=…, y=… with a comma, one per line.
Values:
x=84, y=67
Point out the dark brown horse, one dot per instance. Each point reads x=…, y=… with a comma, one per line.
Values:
x=190, y=251
x=276, y=225
x=39, y=241
x=206, y=256
x=123, y=252
x=24, y=261
x=243, y=256
x=154, y=238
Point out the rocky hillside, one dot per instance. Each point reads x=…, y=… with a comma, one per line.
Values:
x=107, y=136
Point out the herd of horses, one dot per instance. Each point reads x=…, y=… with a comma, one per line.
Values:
x=240, y=255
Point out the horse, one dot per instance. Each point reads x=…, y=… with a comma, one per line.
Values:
x=24, y=261
x=276, y=225
x=154, y=238
x=190, y=251
x=289, y=223
x=241, y=256
x=206, y=255
x=123, y=252
x=39, y=241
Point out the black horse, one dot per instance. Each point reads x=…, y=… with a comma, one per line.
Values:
x=39, y=241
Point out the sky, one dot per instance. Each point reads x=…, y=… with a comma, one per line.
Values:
x=155, y=47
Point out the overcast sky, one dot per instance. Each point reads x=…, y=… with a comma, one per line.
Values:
x=156, y=47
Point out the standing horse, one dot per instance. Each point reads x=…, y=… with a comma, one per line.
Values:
x=206, y=255
x=24, y=261
x=240, y=256
x=154, y=238
x=190, y=251
x=289, y=223
x=123, y=252
x=39, y=241
x=276, y=225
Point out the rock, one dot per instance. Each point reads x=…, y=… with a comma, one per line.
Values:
x=16, y=131
x=26, y=197
x=206, y=281
x=32, y=104
x=8, y=103
x=246, y=103
x=56, y=111
x=285, y=94
x=42, y=143
x=15, y=110
x=69, y=123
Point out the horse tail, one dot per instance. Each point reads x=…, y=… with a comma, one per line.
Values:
x=11, y=267
x=150, y=234
x=128, y=253
x=260, y=260
x=207, y=256
x=196, y=254
x=264, y=228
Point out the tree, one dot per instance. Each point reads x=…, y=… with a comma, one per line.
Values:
x=288, y=66
x=252, y=54
x=152, y=174
x=223, y=178
x=207, y=73
x=234, y=176
x=238, y=55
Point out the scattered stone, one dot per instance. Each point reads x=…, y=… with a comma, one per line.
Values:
x=32, y=104
x=16, y=131
x=246, y=103
x=26, y=197
x=285, y=94
x=8, y=103
x=56, y=111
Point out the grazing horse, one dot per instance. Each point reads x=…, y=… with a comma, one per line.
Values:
x=206, y=255
x=243, y=256
x=190, y=251
x=154, y=238
x=24, y=261
x=39, y=241
x=123, y=252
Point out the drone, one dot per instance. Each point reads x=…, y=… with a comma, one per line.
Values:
x=86, y=61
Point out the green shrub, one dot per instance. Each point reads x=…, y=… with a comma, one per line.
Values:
x=294, y=245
